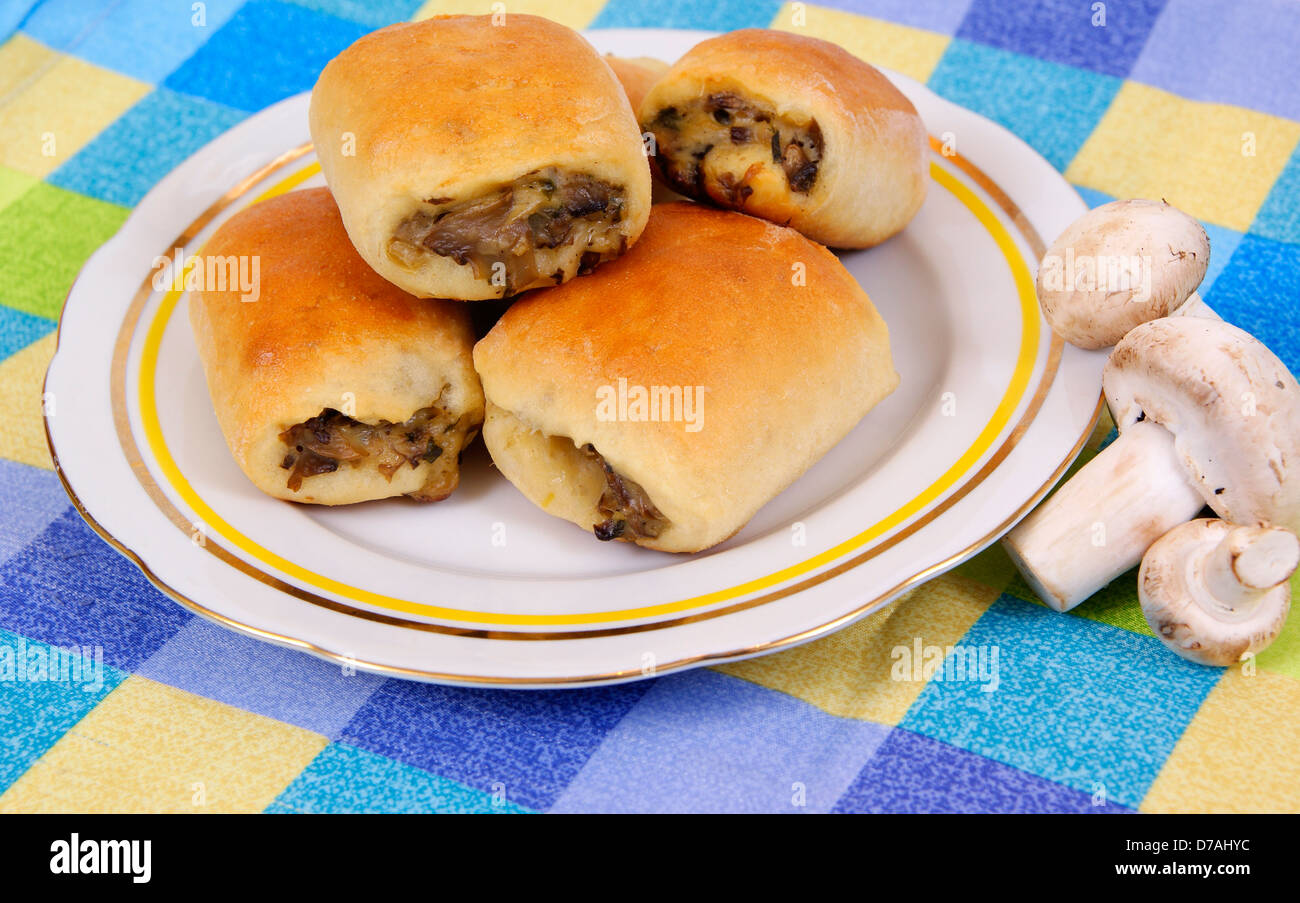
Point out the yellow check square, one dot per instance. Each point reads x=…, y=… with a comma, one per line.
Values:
x=911, y=51
x=57, y=107
x=573, y=13
x=148, y=747
x=21, y=377
x=1213, y=161
x=853, y=673
x=1238, y=753
x=22, y=61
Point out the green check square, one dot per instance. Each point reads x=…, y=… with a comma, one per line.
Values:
x=46, y=234
x=13, y=184
x=1117, y=604
x=1283, y=657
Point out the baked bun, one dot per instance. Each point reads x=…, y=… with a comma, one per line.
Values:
x=637, y=74
x=331, y=385
x=668, y=396
x=473, y=160
x=793, y=129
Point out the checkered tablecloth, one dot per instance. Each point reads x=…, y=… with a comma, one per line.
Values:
x=1195, y=101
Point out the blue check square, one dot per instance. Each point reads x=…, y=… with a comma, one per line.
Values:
x=372, y=13
x=1053, y=107
x=526, y=746
x=1103, y=37
x=144, y=39
x=38, y=704
x=31, y=498
x=942, y=16
x=1256, y=292
x=1081, y=703
x=149, y=140
x=266, y=52
x=346, y=779
x=69, y=588
x=285, y=684
x=1240, y=52
x=18, y=330
x=703, y=741
x=720, y=15
x=1279, y=218
x=914, y=773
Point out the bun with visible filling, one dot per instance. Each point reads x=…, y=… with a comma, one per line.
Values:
x=668, y=396
x=333, y=386
x=793, y=129
x=474, y=160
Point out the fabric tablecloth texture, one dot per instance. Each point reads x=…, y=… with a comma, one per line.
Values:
x=1195, y=101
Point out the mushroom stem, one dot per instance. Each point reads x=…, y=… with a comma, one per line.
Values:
x=1100, y=523
x=1205, y=589
x=1244, y=566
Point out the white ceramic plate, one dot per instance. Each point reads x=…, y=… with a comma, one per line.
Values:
x=486, y=589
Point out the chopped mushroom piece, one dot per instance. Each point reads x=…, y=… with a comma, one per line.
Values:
x=431, y=438
x=629, y=514
x=1120, y=265
x=521, y=226
x=1217, y=593
x=1207, y=416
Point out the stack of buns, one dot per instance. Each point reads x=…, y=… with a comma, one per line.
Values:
x=661, y=370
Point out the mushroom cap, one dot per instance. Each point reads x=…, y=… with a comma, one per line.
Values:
x=1088, y=286
x=1233, y=407
x=1185, y=615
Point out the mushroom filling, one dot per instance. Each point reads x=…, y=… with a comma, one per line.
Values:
x=720, y=144
x=629, y=514
x=541, y=229
x=432, y=438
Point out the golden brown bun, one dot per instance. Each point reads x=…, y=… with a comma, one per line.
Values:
x=709, y=299
x=455, y=107
x=873, y=173
x=324, y=325
x=637, y=75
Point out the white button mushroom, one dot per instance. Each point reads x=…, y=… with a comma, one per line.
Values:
x=1217, y=593
x=1119, y=265
x=1232, y=406
x=1207, y=416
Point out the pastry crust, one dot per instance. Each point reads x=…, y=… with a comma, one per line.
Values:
x=867, y=142
x=326, y=332
x=418, y=118
x=637, y=75
x=709, y=301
